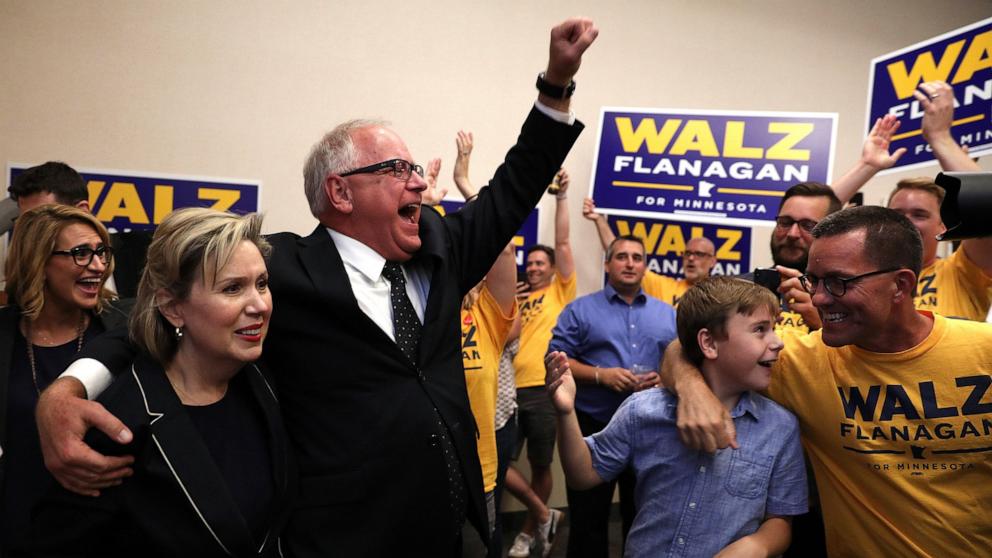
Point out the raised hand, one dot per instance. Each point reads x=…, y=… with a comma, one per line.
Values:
x=559, y=381
x=433, y=195
x=875, y=152
x=569, y=40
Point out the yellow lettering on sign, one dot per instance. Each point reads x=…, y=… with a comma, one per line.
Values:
x=440, y=209
x=924, y=69
x=518, y=240
x=733, y=142
x=93, y=189
x=696, y=136
x=657, y=141
x=122, y=201
x=650, y=238
x=163, y=202
x=223, y=199
x=672, y=240
x=731, y=238
x=795, y=132
x=977, y=57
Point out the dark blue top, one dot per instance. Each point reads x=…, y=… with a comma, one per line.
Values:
x=601, y=329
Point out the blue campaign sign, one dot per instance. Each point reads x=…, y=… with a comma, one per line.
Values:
x=664, y=242
x=139, y=201
x=526, y=236
x=707, y=165
x=963, y=59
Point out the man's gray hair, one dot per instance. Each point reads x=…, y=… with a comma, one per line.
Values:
x=334, y=153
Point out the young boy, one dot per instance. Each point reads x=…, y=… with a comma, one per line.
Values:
x=737, y=502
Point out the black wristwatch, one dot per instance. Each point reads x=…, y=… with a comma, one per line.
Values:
x=555, y=91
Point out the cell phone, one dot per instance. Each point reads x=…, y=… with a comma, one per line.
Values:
x=768, y=278
x=522, y=278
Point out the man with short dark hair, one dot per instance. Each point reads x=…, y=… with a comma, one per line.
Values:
x=551, y=285
x=51, y=182
x=614, y=339
x=889, y=399
x=958, y=286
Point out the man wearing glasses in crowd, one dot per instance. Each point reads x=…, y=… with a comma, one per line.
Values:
x=893, y=404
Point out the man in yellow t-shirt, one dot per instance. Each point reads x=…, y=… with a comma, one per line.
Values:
x=552, y=285
x=488, y=311
x=893, y=403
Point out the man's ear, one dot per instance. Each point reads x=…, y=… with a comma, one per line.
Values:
x=905, y=285
x=84, y=205
x=339, y=194
x=168, y=306
x=707, y=344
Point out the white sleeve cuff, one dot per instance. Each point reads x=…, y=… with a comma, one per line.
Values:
x=555, y=114
x=94, y=376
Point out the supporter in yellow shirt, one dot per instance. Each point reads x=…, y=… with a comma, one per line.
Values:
x=892, y=402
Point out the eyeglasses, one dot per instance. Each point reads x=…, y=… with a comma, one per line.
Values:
x=83, y=255
x=401, y=169
x=835, y=285
x=785, y=223
x=694, y=254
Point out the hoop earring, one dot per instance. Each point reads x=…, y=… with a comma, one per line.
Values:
x=179, y=333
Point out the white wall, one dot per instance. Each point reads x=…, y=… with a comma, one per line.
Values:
x=242, y=89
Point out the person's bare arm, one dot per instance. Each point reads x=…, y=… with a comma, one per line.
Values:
x=937, y=100
x=875, y=156
x=703, y=422
x=63, y=416
x=564, y=262
x=576, y=459
x=606, y=235
x=502, y=279
x=771, y=539
x=464, y=143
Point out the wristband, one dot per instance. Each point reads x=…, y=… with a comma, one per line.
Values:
x=555, y=91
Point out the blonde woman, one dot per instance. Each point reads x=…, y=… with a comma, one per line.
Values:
x=57, y=264
x=212, y=473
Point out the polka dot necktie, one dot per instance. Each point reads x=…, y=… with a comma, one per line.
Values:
x=406, y=331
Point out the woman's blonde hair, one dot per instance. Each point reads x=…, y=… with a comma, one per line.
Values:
x=190, y=243
x=35, y=234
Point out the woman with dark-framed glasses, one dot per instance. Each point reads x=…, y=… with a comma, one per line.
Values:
x=57, y=264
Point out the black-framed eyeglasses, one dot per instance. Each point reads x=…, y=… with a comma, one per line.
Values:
x=400, y=168
x=835, y=285
x=692, y=253
x=785, y=223
x=83, y=255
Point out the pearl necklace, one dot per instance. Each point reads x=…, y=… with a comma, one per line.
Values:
x=80, y=329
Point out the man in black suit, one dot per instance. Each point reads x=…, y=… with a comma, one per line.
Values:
x=365, y=338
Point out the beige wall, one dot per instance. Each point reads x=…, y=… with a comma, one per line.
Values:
x=242, y=89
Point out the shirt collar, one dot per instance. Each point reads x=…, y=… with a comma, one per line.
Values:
x=367, y=261
x=612, y=293
x=745, y=404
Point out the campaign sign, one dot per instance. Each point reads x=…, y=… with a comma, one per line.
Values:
x=963, y=59
x=664, y=242
x=139, y=201
x=526, y=236
x=707, y=165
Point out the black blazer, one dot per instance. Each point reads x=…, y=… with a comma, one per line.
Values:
x=113, y=316
x=372, y=478
x=177, y=503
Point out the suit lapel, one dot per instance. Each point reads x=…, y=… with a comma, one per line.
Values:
x=188, y=462
x=278, y=444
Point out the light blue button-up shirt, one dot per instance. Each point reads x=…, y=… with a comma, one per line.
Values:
x=602, y=329
x=691, y=503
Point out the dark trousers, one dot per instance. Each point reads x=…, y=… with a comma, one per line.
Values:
x=589, y=510
x=506, y=439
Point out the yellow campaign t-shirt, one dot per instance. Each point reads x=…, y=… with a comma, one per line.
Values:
x=954, y=287
x=901, y=443
x=484, y=332
x=538, y=315
x=791, y=322
x=664, y=288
